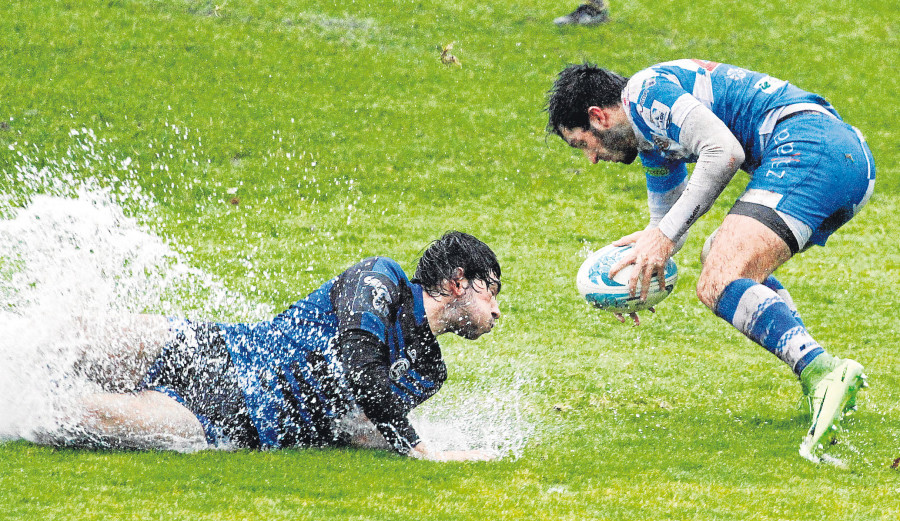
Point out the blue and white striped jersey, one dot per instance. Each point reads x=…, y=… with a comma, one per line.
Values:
x=658, y=99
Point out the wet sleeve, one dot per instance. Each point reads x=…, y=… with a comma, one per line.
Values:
x=366, y=301
x=366, y=363
x=719, y=157
x=666, y=180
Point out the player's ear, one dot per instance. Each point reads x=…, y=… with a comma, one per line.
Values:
x=457, y=283
x=599, y=117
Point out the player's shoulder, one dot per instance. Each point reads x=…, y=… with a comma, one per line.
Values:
x=372, y=286
x=380, y=267
x=391, y=268
x=645, y=85
x=637, y=84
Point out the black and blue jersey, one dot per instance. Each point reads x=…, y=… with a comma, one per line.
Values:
x=361, y=337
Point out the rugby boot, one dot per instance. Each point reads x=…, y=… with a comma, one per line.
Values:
x=829, y=397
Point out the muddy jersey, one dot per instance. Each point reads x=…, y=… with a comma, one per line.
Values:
x=361, y=338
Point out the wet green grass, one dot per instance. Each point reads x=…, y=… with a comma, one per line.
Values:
x=321, y=132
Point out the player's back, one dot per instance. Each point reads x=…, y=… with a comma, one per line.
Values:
x=741, y=98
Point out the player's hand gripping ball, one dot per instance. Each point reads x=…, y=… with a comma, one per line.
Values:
x=611, y=294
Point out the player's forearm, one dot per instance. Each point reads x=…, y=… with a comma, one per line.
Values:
x=660, y=203
x=719, y=157
x=365, y=362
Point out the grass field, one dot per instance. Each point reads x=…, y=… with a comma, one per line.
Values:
x=282, y=140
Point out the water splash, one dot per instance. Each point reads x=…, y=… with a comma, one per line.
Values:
x=471, y=418
x=76, y=248
x=65, y=261
x=70, y=255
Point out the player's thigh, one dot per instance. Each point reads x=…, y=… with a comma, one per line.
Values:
x=164, y=411
x=743, y=247
x=147, y=419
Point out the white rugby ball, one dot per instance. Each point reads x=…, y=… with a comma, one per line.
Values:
x=611, y=294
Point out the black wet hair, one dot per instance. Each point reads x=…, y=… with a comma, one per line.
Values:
x=577, y=88
x=456, y=250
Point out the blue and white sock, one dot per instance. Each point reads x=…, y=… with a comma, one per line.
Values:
x=773, y=284
x=757, y=311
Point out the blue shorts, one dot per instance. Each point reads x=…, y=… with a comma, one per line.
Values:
x=196, y=370
x=815, y=174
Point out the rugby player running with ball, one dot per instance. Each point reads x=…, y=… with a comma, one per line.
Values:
x=810, y=174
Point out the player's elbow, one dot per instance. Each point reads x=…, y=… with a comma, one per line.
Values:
x=735, y=155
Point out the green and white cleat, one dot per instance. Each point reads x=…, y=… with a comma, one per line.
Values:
x=832, y=396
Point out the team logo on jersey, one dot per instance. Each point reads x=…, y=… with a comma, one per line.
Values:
x=399, y=368
x=736, y=74
x=381, y=298
x=661, y=115
x=769, y=84
x=643, y=97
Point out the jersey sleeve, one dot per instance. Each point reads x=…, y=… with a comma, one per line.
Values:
x=368, y=300
x=660, y=107
x=366, y=364
x=657, y=107
x=666, y=181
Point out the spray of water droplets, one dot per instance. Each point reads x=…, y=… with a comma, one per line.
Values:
x=76, y=249
x=471, y=418
x=70, y=256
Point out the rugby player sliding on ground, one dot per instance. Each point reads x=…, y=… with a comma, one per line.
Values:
x=343, y=366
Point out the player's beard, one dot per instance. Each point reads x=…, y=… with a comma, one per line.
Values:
x=619, y=140
x=465, y=320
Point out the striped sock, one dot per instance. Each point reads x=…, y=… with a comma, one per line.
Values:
x=773, y=284
x=757, y=311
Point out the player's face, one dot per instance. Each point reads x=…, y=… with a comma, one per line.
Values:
x=613, y=142
x=476, y=310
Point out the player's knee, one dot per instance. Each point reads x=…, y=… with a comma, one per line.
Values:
x=704, y=253
x=708, y=291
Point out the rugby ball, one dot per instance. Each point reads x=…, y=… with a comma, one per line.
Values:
x=611, y=294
